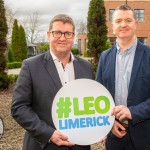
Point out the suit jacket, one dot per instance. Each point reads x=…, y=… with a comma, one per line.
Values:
x=138, y=100
x=36, y=87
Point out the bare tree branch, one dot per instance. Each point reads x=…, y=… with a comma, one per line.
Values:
x=32, y=27
x=10, y=16
x=81, y=27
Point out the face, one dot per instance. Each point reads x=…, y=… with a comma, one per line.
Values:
x=61, y=45
x=124, y=24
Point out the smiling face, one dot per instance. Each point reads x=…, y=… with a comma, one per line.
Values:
x=61, y=46
x=124, y=24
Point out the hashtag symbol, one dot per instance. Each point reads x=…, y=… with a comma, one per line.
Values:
x=63, y=106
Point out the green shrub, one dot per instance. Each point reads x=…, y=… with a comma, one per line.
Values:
x=86, y=53
x=14, y=65
x=75, y=51
x=12, y=78
x=44, y=47
x=4, y=80
x=10, y=56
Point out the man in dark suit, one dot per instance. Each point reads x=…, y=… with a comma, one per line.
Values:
x=39, y=81
x=124, y=70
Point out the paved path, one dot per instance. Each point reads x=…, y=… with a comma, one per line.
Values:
x=14, y=71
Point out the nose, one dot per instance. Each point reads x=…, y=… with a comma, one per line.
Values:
x=62, y=37
x=123, y=23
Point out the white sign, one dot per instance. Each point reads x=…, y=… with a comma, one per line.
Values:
x=1, y=128
x=81, y=110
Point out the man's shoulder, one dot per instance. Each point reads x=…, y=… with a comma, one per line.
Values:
x=144, y=47
x=109, y=51
x=37, y=58
x=83, y=62
x=81, y=59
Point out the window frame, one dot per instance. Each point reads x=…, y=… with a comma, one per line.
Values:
x=140, y=14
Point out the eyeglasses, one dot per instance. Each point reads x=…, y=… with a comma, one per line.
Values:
x=58, y=34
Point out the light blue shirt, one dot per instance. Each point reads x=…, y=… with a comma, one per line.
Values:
x=124, y=63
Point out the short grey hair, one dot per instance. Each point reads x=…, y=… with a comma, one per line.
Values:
x=63, y=18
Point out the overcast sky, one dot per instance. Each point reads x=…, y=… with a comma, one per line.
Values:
x=77, y=9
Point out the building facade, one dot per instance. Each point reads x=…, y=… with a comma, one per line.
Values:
x=82, y=42
x=142, y=9
x=32, y=49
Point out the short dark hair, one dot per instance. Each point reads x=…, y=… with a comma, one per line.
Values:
x=63, y=18
x=126, y=7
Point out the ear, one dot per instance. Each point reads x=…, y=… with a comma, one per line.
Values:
x=48, y=34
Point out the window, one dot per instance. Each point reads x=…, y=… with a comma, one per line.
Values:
x=143, y=40
x=139, y=14
x=111, y=11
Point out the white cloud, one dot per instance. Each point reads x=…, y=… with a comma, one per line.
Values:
x=77, y=9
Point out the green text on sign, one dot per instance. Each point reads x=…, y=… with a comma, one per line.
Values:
x=91, y=106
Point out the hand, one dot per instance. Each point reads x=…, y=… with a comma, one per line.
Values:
x=121, y=112
x=118, y=130
x=59, y=139
x=102, y=140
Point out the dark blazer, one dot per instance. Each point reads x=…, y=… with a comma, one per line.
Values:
x=138, y=100
x=36, y=87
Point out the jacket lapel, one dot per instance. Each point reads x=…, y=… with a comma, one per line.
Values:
x=51, y=69
x=76, y=69
x=136, y=64
x=112, y=66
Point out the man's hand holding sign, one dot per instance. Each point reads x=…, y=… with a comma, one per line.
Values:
x=122, y=113
x=83, y=107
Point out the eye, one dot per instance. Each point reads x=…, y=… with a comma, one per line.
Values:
x=68, y=33
x=57, y=32
x=128, y=20
x=118, y=21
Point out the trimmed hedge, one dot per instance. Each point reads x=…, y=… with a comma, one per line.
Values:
x=15, y=64
x=75, y=51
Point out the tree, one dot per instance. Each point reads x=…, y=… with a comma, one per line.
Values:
x=10, y=15
x=10, y=56
x=97, y=29
x=18, y=42
x=3, y=46
x=22, y=43
x=15, y=42
x=81, y=27
x=32, y=27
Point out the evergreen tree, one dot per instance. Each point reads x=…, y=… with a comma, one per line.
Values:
x=97, y=29
x=23, y=44
x=3, y=46
x=15, y=42
x=10, y=56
